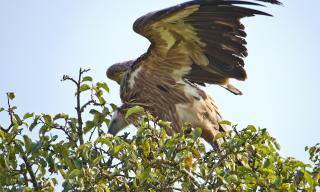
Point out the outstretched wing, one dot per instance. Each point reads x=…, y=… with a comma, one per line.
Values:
x=201, y=40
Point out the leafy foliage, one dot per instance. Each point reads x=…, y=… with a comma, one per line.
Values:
x=42, y=152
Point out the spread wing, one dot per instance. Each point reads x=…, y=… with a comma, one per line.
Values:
x=202, y=40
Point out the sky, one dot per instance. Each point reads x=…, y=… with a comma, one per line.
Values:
x=41, y=40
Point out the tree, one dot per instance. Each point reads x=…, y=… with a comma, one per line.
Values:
x=77, y=155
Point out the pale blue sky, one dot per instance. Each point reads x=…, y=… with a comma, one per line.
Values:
x=40, y=40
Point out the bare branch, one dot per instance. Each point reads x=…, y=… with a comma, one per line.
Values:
x=67, y=77
x=78, y=107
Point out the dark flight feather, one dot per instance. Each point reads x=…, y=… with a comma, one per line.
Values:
x=217, y=25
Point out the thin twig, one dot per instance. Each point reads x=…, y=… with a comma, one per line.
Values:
x=87, y=104
x=65, y=132
x=234, y=127
x=61, y=128
x=92, y=133
x=10, y=112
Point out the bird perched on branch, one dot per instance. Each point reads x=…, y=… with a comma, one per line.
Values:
x=192, y=44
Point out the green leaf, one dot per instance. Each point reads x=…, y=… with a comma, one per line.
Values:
x=60, y=116
x=104, y=141
x=63, y=150
x=27, y=189
x=1, y=109
x=134, y=110
x=276, y=144
x=251, y=128
x=84, y=87
x=103, y=188
x=74, y=173
x=97, y=160
x=144, y=174
x=146, y=148
x=102, y=101
x=51, y=163
x=88, y=127
x=98, y=119
x=105, y=111
x=54, y=181
x=42, y=171
x=225, y=122
x=16, y=116
x=94, y=111
x=11, y=95
x=103, y=86
x=195, y=152
x=266, y=163
x=118, y=148
x=36, y=147
x=219, y=135
x=47, y=119
x=277, y=182
x=98, y=92
x=4, y=161
x=27, y=143
x=196, y=133
x=113, y=106
x=170, y=142
x=308, y=177
x=28, y=115
x=2, y=135
x=84, y=149
x=86, y=78
x=34, y=123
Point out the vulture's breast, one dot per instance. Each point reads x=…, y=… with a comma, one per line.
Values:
x=200, y=111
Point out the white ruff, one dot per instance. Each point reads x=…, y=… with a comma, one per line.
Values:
x=132, y=77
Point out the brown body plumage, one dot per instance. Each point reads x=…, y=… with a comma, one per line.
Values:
x=192, y=44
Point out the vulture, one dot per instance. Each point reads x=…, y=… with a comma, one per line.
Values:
x=192, y=44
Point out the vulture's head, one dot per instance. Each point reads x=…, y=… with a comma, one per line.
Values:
x=119, y=120
x=117, y=71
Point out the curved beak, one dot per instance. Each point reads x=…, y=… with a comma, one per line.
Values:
x=117, y=77
x=117, y=123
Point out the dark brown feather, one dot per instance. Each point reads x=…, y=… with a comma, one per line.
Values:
x=200, y=29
